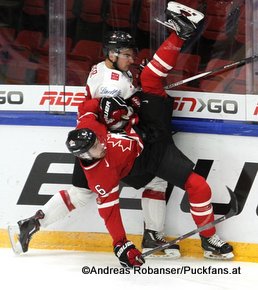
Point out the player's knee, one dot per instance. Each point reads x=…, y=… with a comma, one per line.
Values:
x=79, y=196
x=197, y=185
x=157, y=184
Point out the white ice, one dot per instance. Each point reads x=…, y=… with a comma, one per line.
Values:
x=44, y=270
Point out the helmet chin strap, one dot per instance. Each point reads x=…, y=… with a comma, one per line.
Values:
x=114, y=63
x=88, y=162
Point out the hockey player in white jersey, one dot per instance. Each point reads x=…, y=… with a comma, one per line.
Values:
x=113, y=79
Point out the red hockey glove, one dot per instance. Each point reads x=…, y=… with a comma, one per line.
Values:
x=128, y=255
x=114, y=112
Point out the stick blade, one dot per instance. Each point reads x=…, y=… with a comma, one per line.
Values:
x=233, y=203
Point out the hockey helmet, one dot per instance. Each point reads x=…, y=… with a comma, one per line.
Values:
x=80, y=141
x=117, y=40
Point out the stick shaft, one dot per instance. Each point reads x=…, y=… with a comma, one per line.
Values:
x=216, y=70
x=232, y=212
x=187, y=235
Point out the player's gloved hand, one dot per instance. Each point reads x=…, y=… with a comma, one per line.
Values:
x=128, y=255
x=114, y=112
x=135, y=101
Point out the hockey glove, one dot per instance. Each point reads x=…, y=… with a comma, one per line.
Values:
x=128, y=255
x=135, y=101
x=114, y=112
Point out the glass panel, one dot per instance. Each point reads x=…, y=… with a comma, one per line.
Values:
x=220, y=40
x=85, y=26
x=254, y=46
x=57, y=51
x=23, y=32
x=57, y=47
x=229, y=33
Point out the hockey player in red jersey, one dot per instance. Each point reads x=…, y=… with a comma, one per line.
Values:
x=118, y=155
x=151, y=83
x=151, y=110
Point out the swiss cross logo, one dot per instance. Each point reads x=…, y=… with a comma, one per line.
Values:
x=114, y=76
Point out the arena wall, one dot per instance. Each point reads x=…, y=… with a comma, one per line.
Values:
x=35, y=165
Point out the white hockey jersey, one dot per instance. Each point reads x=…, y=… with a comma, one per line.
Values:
x=106, y=82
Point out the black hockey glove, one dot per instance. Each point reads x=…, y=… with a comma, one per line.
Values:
x=128, y=255
x=114, y=112
x=135, y=101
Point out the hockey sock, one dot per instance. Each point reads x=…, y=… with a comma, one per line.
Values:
x=199, y=194
x=168, y=52
x=56, y=208
x=154, y=209
x=64, y=202
x=154, y=74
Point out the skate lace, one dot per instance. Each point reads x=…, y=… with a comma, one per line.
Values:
x=174, y=25
x=160, y=237
x=216, y=241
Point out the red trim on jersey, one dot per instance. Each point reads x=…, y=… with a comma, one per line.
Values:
x=66, y=199
x=88, y=93
x=153, y=194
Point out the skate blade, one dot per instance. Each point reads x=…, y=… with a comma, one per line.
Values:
x=210, y=255
x=192, y=14
x=164, y=254
x=13, y=232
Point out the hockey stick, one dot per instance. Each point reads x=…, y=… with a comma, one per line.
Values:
x=232, y=212
x=216, y=70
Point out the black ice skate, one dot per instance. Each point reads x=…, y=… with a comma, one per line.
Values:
x=152, y=239
x=182, y=19
x=20, y=236
x=215, y=248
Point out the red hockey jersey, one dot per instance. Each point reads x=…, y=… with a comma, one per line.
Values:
x=104, y=175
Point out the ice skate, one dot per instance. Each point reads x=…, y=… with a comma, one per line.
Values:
x=182, y=19
x=153, y=239
x=21, y=234
x=215, y=248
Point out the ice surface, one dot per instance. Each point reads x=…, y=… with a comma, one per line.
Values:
x=41, y=269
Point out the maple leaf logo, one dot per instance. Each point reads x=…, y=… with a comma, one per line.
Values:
x=123, y=145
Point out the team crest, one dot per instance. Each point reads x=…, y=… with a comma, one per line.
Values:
x=123, y=142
